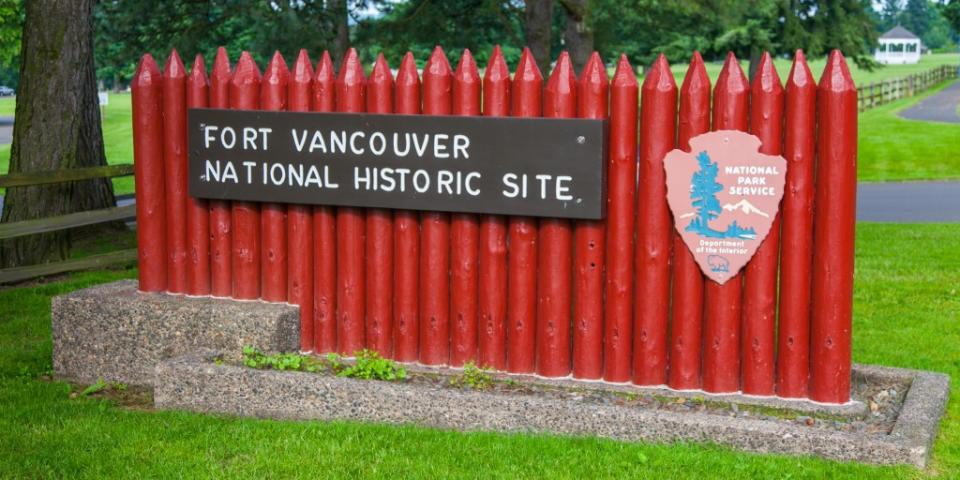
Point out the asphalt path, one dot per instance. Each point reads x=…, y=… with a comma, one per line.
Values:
x=909, y=202
x=6, y=130
x=941, y=107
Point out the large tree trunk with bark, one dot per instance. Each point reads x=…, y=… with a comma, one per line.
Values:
x=538, y=18
x=57, y=126
x=578, y=35
x=341, y=42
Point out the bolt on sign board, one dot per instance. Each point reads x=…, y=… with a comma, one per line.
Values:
x=515, y=166
x=724, y=195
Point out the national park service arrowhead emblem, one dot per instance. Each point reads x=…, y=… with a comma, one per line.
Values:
x=724, y=195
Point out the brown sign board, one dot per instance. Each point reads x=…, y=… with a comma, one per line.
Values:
x=541, y=167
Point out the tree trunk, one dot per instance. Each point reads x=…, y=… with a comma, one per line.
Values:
x=578, y=35
x=57, y=126
x=341, y=42
x=755, y=54
x=538, y=18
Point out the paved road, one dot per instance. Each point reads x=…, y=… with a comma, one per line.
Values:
x=941, y=107
x=6, y=130
x=908, y=202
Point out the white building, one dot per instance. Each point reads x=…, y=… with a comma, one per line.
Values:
x=899, y=45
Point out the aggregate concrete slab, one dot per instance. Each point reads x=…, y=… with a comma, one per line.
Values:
x=194, y=382
x=114, y=332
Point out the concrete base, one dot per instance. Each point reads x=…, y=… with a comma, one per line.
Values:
x=196, y=383
x=114, y=332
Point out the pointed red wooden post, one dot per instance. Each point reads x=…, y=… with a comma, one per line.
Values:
x=555, y=243
x=273, y=216
x=324, y=232
x=658, y=128
x=760, y=277
x=221, y=259
x=147, y=102
x=522, y=237
x=379, y=248
x=621, y=192
x=492, y=306
x=349, y=94
x=721, y=332
x=833, y=240
x=198, y=215
x=687, y=297
x=406, y=231
x=588, y=241
x=793, y=342
x=435, y=232
x=175, y=170
x=464, y=232
x=300, y=218
x=245, y=216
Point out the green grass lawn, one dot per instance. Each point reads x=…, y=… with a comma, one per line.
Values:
x=117, y=136
x=906, y=308
x=894, y=148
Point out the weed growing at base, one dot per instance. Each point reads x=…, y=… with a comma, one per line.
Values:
x=367, y=365
x=473, y=377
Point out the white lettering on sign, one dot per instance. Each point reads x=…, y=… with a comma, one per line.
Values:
x=439, y=145
x=253, y=138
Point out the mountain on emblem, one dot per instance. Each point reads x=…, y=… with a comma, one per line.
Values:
x=724, y=195
x=746, y=207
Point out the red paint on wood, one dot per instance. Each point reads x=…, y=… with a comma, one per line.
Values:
x=492, y=301
x=687, y=296
x=522, y=256
x=273, y=216
x=721, y=332
x=175, y=170
x=464, y=234
x=324, y=233
x=435, y=232
x=760, y=275
x=555, y=244
x=379, y=253
x=147, y=101
x=198, y=214
x=793, y=340
x=588, y=241
x=349, y=93
x=221, y=260
x=654, y=226
x=245, y=216
x=406, y=230
x=833, y=240
x=300, y=218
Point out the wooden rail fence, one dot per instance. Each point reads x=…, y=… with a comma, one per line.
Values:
x=875, y=94
x=64, y=222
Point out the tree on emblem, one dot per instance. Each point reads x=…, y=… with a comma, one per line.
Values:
x=703, y=191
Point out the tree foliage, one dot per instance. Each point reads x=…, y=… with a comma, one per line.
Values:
x=928, y=19
x=125, y=29
x=11, y=28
